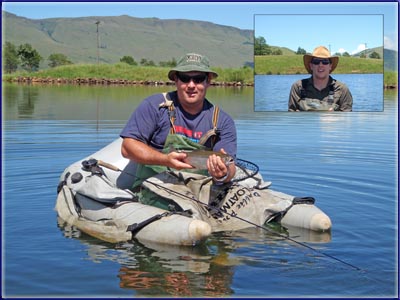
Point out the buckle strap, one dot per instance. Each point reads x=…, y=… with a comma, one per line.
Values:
x=136, y=227
x=296, y=200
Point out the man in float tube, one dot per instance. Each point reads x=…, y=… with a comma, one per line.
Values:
x=320, y=92
x=180, y=119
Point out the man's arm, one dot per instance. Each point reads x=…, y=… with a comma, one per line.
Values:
x=294, y=97
x=346, y=101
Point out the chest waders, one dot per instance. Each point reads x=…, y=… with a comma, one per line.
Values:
x=173, y=141
x=309, y=104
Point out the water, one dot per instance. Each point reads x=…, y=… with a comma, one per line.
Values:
x=348, y=162
x=272, y=91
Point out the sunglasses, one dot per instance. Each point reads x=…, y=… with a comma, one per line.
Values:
x=316, y=61
x=196, y=78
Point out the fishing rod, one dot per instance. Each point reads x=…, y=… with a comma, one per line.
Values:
x=115, y=168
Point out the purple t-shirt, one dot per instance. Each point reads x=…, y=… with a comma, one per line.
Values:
x=150, y=124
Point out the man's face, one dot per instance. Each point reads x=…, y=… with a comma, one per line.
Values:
x=191, y=87
x=321, y=67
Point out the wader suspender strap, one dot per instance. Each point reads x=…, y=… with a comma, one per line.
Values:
x=303, y=91
x=213, y=133
x=331, y=92
x=171, y=113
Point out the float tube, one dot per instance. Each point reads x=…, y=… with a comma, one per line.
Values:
x=94, y=196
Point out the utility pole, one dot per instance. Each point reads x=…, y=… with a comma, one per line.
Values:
x=366, y=56
x=98, y=42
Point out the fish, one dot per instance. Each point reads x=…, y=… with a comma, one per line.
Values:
x=198, y=158
x=314, y=105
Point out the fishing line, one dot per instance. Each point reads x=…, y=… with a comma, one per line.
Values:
x=114, y=168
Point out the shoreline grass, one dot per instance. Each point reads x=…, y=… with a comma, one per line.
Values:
x=272, y=65
x=122, y=71
x=293, y=64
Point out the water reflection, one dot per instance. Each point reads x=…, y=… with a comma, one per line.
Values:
x=178, y=272
x=72, y=102
x=357, y=186
x=153, y=269
x=22, y=100
x=207, y=270
x=272, y=91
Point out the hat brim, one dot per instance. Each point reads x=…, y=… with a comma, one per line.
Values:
x=189, y=68
x=307, y=60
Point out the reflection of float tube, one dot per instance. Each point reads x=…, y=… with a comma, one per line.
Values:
x=308, y=236
x=307, y=216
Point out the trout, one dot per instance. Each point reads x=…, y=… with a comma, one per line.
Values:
x=198, y=158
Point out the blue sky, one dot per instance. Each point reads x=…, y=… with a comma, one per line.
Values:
x=341, y=32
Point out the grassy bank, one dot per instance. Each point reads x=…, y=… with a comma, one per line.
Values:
x=122, y=71
x=390, y=79
x=293, y=64
x=280, y=64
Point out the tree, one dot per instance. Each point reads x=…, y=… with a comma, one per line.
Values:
x=375, y=55
x=58, y=59
x=261, y=47
x=277, y=52
x=128, y=60
x=171, y=63
x=10, y=58
x=30, y=58
x=143, y=61
x=346, y=54
x=148, y=63
x=301, y=51
x=259, y=43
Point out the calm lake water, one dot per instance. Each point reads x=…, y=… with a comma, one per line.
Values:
x=347, y=161
x=272, y=91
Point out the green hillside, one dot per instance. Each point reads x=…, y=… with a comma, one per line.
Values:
x=142, y=38
x=368, y=52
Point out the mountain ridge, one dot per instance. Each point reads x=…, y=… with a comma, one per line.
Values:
x=142, y=38
x=149, y=38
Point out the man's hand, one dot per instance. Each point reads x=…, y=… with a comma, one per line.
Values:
x=217, y=168
x=176, y=160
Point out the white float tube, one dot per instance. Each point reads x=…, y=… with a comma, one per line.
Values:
x=111, y=225
x=307, y=216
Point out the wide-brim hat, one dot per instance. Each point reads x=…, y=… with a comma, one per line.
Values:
x=192, y=62
x=320, y=52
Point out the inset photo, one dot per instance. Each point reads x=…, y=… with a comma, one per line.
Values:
x=319, y=62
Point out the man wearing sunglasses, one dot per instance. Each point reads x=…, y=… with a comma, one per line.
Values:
x=181, y=119
x=320, y=92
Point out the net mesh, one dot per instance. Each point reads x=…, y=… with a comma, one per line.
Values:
x=244, y=169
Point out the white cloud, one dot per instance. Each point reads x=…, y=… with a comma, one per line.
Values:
x=360, y=48
x=341, y=51
x=388, y=43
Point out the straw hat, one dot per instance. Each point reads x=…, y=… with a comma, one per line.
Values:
x=320, y=52
x=192, y=62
